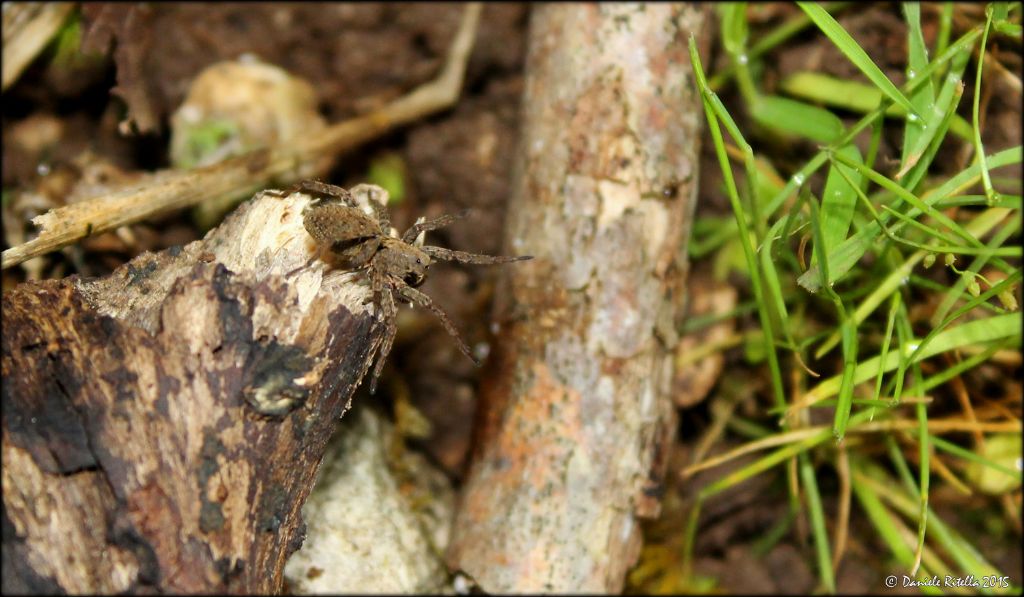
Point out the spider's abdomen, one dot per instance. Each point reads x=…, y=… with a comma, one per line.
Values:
x=346, y=231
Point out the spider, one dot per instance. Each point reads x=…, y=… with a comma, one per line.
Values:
x=395, y=266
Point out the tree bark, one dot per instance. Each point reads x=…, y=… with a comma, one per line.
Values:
x=574, y=425
x=162, y=426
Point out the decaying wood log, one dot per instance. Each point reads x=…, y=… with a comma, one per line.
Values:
x=162, y=426
x=577, y=414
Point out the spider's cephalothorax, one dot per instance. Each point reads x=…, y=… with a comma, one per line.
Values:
x=395, y=266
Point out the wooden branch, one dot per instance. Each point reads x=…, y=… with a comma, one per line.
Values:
x=577, y=415
x=162, y=426
x=169, y=190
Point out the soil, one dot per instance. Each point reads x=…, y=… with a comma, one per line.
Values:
x=358, y=56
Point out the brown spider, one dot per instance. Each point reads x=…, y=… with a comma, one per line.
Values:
x=394, y=266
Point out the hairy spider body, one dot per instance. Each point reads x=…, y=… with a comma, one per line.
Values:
x=395, y=266
x=406, y=262
x=350, y=235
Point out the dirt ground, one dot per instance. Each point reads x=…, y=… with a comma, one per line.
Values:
x=58, y=118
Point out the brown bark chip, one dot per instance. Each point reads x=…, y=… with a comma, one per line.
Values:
x=576, y=416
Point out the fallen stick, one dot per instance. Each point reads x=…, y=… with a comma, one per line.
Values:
x=170, y=190
x=576, y=415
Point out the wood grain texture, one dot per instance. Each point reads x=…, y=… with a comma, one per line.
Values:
x=575, y=420
x=162, y=426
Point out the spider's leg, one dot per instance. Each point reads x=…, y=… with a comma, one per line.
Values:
x=383, y=216
x=384, y=301
x=314, y=188
x=380, y=211
x=423, y=300
x=304, y=266
x=323, y=189
x=474, y=258
x=438, y=222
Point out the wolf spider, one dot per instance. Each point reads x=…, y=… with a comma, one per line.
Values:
x=395, y=266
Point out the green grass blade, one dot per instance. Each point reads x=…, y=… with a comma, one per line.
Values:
x=979, y=149
x=908, y=346
x=845, y=403
x=740, y=215
x=764, y=463
x=850, y=251
x=980, y=226
x=893, y=308
x=938, y=119
x=948, y=446
x=734, y=26
x=838, y=200
x=827, y=90
x=771, y=281
x=945, y=27
x=961, y=551
x=938, y=236
x=734, y=38
x=792, y=117
x=909, y=198
x=991, y=292
x=929, y=143
x=881, y=518
x=771, y=40
x=977, y=331
x=957, y=290
x=690, y=539
x=920, y=347
x=916, y=132
x=821, y=542
x=846, y=382
x=924, y=469
x=722, y=113
x=886, y=524
x=819, y=241
x=819, y=159
x=972, y=174
x=1005, y=200
x=969, y=363
x=846, y=44
x=854, y=96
